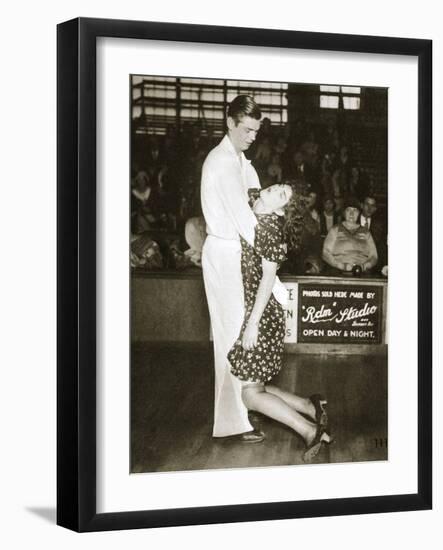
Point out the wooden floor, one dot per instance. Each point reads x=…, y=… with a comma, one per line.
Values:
x=172, y=400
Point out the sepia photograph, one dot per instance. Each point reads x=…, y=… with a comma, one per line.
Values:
x=259, y=273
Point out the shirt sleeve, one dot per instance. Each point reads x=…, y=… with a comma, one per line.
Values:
x=237, y=208
x=252, y=176
x=268, y=243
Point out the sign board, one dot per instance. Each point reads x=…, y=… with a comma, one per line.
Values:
x=344, y=314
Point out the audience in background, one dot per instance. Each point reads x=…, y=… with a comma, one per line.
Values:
x=165, y=191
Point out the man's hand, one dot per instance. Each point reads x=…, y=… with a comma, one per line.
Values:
x=250, y=336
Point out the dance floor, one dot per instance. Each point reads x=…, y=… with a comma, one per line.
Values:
x=172, y=401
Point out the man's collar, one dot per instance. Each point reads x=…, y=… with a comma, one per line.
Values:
x=227, y=145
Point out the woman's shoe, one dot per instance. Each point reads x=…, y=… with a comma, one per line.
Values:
x=321, y=438
x=321, y=416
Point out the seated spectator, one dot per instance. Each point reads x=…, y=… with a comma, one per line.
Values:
x=328, y=216
x=312, y=207
x=177, y=258
x=339, y=202
x=310, y=261
x=188, y=200
x=349, y=246
x=343, y=160
x=280, y=146
x=263, y=152
x=166, y=200
x=310, y=148
x=145, y=252
x=358, y=183
x=313, y=174
x=327, y=163
x=266, y=128
x=274, y=170
x=295, y=168
x=142, y=217
x=330, y=138
x=339, y=183
x=326, y=188
x=195, y=235
x=154, y=153
x=341, y=174
x=376, y=225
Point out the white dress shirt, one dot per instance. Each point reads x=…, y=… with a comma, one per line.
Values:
x=365, y=222
x=226, y=178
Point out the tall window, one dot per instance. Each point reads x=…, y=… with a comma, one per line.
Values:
x=340, y=97
x=160, y=101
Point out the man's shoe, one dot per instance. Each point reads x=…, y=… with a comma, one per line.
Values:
x=255, y=436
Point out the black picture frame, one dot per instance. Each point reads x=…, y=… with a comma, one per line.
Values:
x=76, y=278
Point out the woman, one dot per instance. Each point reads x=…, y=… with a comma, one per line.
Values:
x=348, y=245
x=256, y=356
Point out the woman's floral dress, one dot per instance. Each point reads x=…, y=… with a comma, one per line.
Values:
x=264, y=361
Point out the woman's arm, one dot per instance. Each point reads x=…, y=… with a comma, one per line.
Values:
x=373, y=256
x=250, y=335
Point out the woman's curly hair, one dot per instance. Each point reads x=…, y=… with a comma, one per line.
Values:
x=294, y=213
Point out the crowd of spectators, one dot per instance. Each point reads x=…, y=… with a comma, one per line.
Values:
x=165, y=192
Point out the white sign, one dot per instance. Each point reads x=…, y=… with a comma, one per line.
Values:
x=291, y=313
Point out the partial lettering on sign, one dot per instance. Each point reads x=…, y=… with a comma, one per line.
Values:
x=291, y=312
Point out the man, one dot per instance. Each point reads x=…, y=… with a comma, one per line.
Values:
x=226, y=177
x=329, y=216
x=376, y=226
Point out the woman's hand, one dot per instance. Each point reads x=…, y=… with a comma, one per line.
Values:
x=356, y=258
x=250, y=336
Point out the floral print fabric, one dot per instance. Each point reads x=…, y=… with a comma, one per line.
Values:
x=263, y=362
